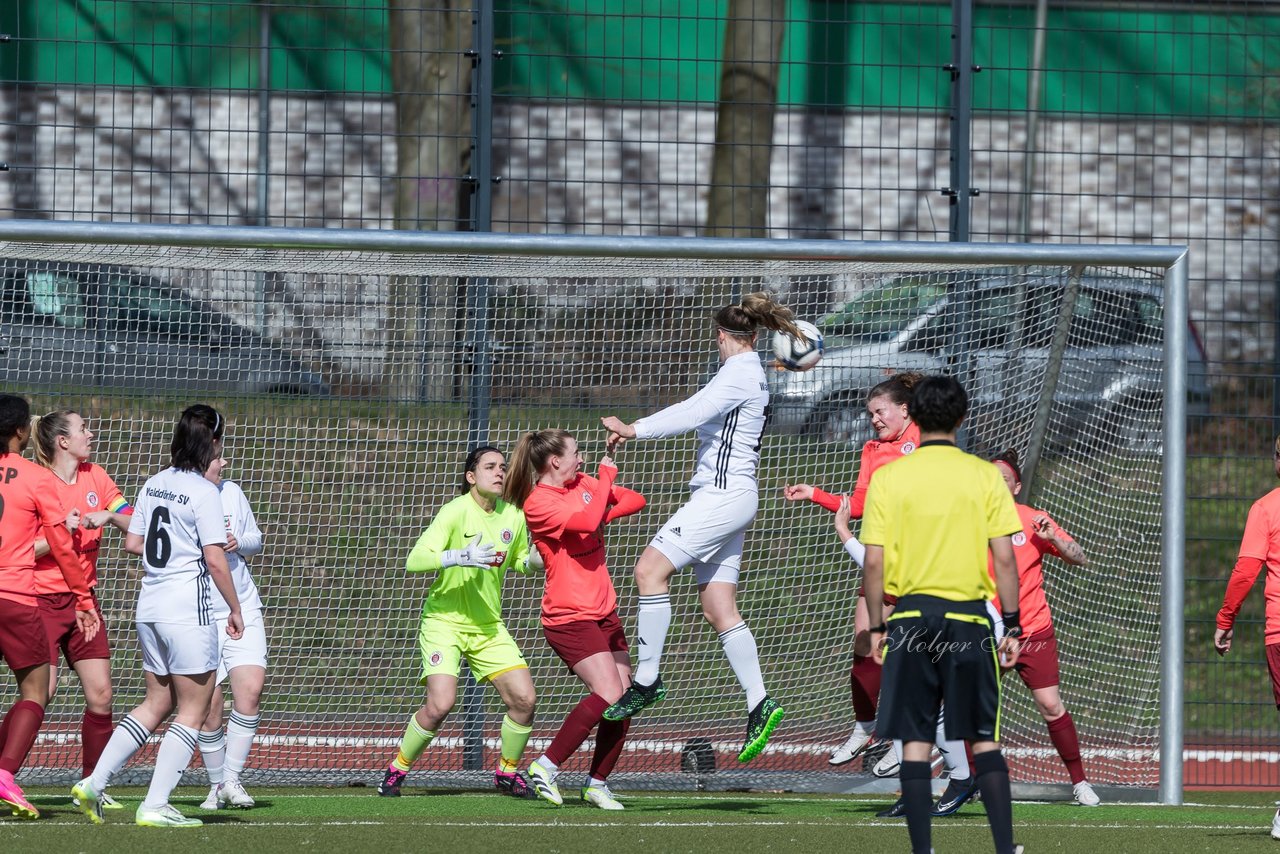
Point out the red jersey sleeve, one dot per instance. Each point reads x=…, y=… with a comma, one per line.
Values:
x=53, y=518
x=624, y=502
x=1241, y=581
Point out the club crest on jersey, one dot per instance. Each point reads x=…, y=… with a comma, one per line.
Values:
x=507, y=535
x=908, y=447
x=1020, y=538
x=586, y=498
x=436, y=658
x=91, y=499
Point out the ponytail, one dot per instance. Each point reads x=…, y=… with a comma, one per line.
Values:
x=46, y=430
x=756, y=310
x=528, y=461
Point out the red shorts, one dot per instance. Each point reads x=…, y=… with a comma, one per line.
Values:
x=584, y=638
x=889, y=599
x=1273, y=665
x=1038, y=661
x=58, y=610
x=22, y=637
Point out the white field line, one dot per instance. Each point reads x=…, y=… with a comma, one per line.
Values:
x=1134, y=754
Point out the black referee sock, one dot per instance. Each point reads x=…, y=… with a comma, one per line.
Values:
x=993, y=782
x=917, y=796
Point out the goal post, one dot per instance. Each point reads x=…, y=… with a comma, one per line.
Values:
x=1075, y=356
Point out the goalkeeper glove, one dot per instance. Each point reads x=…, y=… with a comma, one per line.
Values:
x=475, y=553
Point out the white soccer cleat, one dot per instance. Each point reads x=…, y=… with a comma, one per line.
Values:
x=544, y=783
x=87, y=800
x=853, y=748
x=1275, y=826
x=164, y=816
x=888, y=765
x=232, y=794
x=211, y=802
x=1085, y=795
x=600, y=796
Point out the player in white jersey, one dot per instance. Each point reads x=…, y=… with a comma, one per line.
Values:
x=244, y=660
x=708, y=532
x=179, y=531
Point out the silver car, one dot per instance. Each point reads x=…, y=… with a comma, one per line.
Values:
x=102, y=326
x=992, y=332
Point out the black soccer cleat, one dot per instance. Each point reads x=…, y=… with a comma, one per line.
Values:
x=391, y=781
x=636, y=699
x=957, y=794
x=898, y=810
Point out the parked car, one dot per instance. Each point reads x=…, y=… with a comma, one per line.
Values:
x=1111, y=373
x=113, y=327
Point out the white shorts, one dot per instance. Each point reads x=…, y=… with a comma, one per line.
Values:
x=178, y=648
x=708, y=532
x=250, y=649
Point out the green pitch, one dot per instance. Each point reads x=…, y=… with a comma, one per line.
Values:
x=299, y=820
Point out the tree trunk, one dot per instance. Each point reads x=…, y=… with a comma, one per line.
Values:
x=738, y=203
x=431, y=79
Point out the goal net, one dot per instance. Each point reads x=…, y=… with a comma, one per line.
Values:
x=354, y=382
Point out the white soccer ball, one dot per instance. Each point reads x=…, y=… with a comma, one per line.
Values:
x=798, y=354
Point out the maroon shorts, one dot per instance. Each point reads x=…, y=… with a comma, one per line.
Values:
x=22, y=637
x=58, y=610
x=1273, y=665
x=1038, y=661
x=584, y=638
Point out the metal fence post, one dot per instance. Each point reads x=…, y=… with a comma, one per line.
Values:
x=961, y=69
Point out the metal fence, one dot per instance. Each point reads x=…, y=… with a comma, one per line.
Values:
x=1083, y=121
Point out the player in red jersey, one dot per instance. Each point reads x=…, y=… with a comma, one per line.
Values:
x=897, y=436
x=31, y=510
x=566, y=512
x=64, y=444
x=1259, y=545
x=1038, y=662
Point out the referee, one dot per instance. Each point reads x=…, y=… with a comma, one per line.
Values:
x=930, y=519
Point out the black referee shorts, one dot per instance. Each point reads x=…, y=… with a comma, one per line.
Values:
x=939, y=652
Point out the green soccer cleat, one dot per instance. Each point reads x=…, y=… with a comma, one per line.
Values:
x=636, y=699
x=761, y=723
x=164, y=816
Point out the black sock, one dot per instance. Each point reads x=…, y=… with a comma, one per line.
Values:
x=917, y=795
x=993, y=782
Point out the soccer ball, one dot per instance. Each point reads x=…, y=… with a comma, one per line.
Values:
x=798, y=354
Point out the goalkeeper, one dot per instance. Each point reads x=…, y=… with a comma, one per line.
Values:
x=470, y=545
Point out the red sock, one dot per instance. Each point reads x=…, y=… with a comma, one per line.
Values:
x=1062, y=732
x=22, y=724
x=95, y=732
x=609, y=739
x=864, y=682
x=576, y=727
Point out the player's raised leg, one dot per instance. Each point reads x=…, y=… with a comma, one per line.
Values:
x=653, y=578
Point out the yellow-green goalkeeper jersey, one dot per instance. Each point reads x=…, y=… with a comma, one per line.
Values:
x=466, y=595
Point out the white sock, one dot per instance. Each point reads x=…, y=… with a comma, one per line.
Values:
x=897, y=749
x=740, y=648
x=128, y=736
x=652, y=624
x=213, y=749
x=176, y=749
x=240, y=732
x=593, y=783
x=865, y=727
x=548, y=766
x=953, y=752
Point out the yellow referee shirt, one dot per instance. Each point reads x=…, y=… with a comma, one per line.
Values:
x=934, y=513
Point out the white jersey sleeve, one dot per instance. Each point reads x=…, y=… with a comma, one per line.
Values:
x=177, y=514
x=729, y=415
x=239, y=520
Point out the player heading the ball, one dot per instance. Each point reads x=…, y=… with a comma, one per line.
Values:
x=709, y=531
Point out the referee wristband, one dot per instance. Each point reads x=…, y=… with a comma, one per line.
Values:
x=1012, y=623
